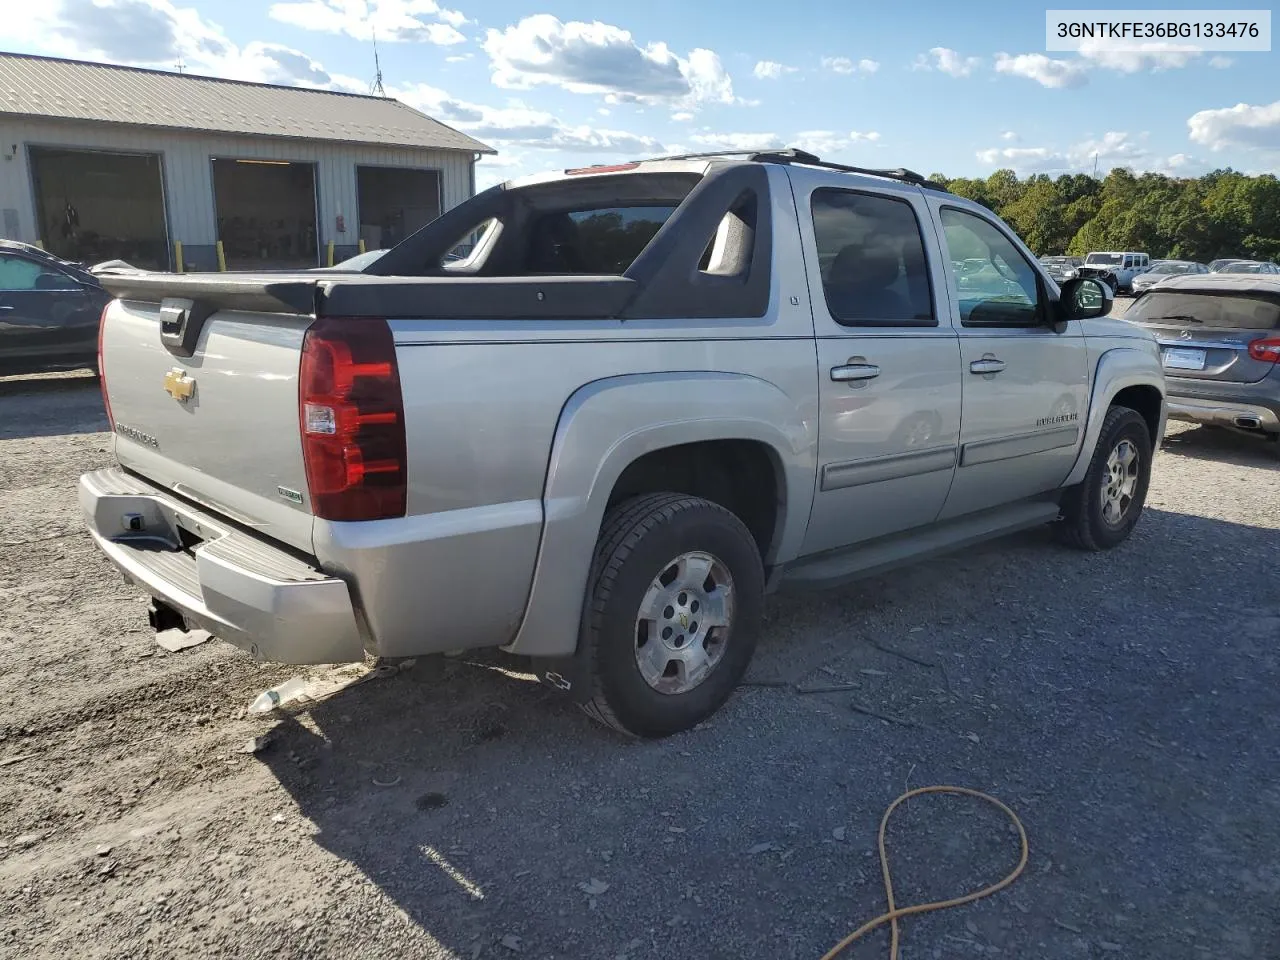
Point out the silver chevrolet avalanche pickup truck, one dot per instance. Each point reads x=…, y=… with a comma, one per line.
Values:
x=649, y=395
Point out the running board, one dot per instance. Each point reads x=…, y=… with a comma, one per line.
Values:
x=834, y=568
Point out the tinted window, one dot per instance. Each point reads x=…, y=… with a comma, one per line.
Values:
x=997, y=287
x=19, y=273
x=1205, y=310
x=871, y=257
x=604, y=240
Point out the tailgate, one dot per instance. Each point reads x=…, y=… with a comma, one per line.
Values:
x=219, y=426
x=1204, y=334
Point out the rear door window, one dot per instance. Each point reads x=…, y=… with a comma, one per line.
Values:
x=872, y=260
x=601, y=240
x=1206, y=310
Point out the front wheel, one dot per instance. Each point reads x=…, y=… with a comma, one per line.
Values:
x=675, y=603
x=1102, y=510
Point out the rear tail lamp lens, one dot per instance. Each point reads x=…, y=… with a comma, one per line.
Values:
x=1268, y=350
x=351, y=412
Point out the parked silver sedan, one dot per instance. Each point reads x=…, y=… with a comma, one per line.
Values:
x=1163, y=270
x=1219, y=337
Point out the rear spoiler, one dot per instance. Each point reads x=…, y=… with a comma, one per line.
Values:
x=388, y=298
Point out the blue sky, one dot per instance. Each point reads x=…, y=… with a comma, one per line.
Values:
x=943, y=87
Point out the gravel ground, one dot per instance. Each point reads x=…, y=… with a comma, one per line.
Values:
x=1120, y=703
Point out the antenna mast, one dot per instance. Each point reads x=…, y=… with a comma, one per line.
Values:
x=377, y=76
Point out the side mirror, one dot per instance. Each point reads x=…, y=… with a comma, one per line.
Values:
x=1084, y=298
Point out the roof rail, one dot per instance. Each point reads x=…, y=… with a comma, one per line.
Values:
x=794, y=155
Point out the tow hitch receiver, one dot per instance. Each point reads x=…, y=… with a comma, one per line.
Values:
x=163, y=617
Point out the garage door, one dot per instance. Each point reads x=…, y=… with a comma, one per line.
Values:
x=395, y=202
x=93, y=206
x=266, y=213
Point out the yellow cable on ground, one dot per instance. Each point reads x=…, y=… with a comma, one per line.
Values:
x=892, y=915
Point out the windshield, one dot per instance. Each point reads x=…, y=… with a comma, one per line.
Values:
x=1171, y=268
x=1243, y=268
x=1109, y=259
x=1206, y=310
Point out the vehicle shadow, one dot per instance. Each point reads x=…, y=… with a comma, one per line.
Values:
x=47, y=406
x=1224, y=446
x=502, y=822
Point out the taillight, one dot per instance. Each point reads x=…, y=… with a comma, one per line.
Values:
x=102, y=369
x=1267, y=350
x=351, y=413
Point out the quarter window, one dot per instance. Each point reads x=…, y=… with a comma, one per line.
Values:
x=995, y=284
x=872, y=260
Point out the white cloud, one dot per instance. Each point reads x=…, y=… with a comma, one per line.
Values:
x=738, y=141
x=1045, y=71
x=682, y=116
x=827, y=143
x=846, y=66
x=1153, y=56
x=523, y=126
x=1009, y=135
x=598, y=58
x=947, y=61
x=771, y=70
x=1244, y=125
x=1220, y=63
x=1113, y=149
x=390, y=20
x=155, y=33
x=1023, y=160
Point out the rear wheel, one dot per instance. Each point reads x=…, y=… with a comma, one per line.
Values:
x=1103, y=509
x=670, y=624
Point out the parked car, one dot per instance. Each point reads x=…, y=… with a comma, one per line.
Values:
x=1163, y=269
x=1216, y=265
x=1251, y=266
x=654, y=393
x=1219, y=337
x=1115, y=269
x=1062, y=269
x=49, y=311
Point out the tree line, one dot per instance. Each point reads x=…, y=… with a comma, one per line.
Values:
x=1221, y=214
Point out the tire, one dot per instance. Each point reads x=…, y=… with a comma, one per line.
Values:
x=673, y=536
x=1087, y=522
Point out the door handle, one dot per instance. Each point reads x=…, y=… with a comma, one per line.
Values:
x=854, y=371
x=986, y=365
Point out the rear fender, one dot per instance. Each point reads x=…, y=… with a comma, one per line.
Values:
x=1117, y=369
x=607, y=425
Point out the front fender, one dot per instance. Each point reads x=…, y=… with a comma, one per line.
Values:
x=1118, y=368
x=607, y=425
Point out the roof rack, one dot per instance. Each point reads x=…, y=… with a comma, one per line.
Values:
x=794, y=155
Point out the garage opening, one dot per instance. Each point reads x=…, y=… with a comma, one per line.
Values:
x=93, y=206
x=395, y=202
x=266, y=213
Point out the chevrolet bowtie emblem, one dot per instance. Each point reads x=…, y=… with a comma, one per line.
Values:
x=179, y=386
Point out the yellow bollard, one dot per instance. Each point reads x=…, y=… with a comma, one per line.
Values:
x=360, y=245
x=222, y=258
x=331, y=253
x=177, y=255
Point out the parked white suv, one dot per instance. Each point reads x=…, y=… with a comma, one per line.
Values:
x=1116, y=268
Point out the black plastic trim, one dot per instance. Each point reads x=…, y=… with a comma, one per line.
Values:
x=670, y=283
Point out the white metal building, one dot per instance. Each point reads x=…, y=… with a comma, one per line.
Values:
x=101, y=162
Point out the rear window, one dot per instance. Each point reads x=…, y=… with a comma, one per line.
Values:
x=1106, y=259
x=1206, y=310
x=600, y=240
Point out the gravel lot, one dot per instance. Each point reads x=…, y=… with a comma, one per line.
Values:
x=1124, y=704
